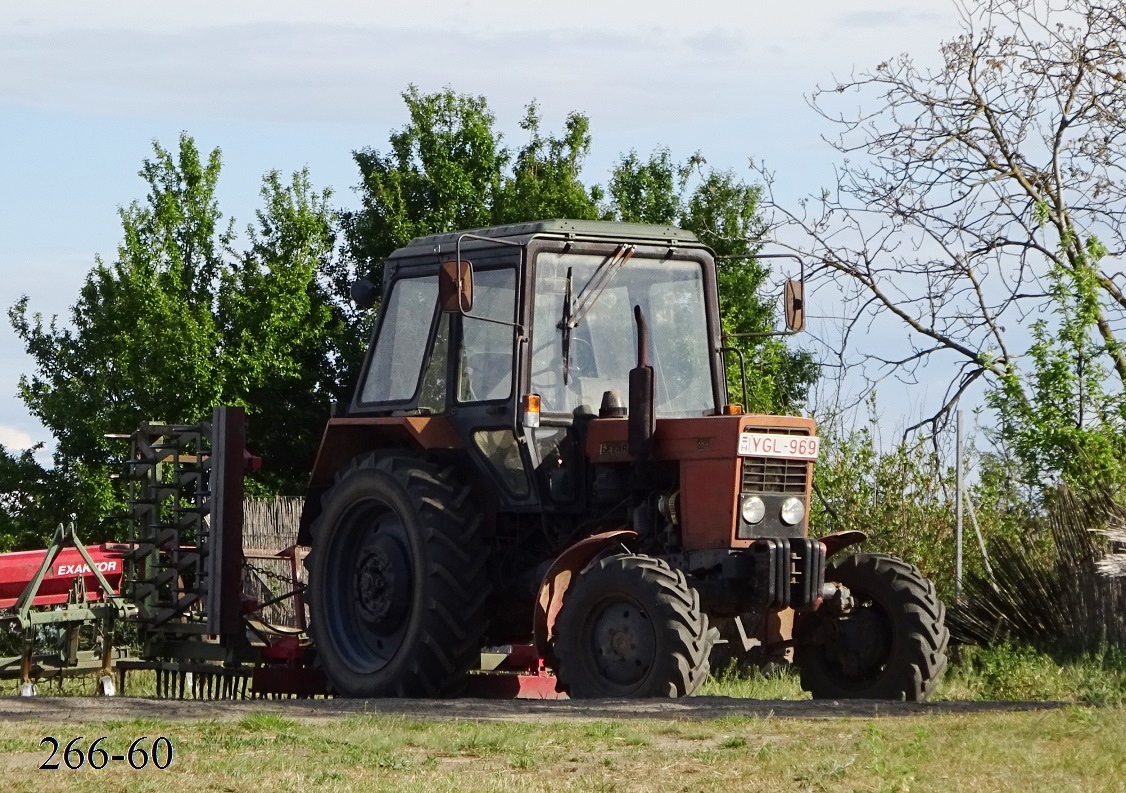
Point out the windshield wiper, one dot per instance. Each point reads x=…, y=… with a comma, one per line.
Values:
x=602, y=278
x=575, y=310
x=566, y=327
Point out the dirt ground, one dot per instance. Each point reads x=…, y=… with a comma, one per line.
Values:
x=90, y=709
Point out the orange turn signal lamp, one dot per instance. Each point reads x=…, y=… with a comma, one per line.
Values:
x=531, y=411
x=734, y=409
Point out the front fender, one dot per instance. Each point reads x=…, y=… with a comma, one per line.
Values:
x=558, y=579
x=840, y=540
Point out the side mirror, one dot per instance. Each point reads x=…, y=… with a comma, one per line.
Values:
x=364, y=293
x=795, y=305
x=455, y=287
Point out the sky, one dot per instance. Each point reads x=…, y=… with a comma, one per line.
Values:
x=85, y=89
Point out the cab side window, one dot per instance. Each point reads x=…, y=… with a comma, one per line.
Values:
x=432, y=398
x=396, y=364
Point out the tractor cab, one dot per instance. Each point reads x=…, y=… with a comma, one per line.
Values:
x=474, y=327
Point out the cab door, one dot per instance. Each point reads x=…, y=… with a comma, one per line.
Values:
x=484, y=352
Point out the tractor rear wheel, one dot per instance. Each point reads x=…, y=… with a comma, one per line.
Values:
x=397, y=580
x=630, y=626
x=891, y=645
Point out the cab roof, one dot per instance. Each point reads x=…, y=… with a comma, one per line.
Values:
x=568, y=229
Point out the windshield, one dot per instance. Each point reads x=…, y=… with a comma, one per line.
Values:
x=603, y=345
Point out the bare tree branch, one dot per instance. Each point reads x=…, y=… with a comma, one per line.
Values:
x=977, y=197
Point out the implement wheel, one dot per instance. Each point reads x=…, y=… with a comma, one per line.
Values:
x=891, y=645
x=630, y=626
x=397, y=580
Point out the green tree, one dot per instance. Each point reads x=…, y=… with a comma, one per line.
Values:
x=448, y=169
x=546, y=179
x=179, y=323
x=648, y=191
x=443, y=173
x=143, y=337
x=289, y=345
x=35, y=499
x=1058, y=419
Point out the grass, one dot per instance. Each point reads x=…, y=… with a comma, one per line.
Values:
x=1076, y=748
x=733, y=681
x=1023, y=674
x=975, y=674
x=1000, y=673
x=141, y=683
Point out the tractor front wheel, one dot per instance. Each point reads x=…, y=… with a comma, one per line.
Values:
x=397, y=580
x=890, y=645
x=631, y=626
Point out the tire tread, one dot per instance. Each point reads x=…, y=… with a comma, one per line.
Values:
x=918, y=655
x=452, y=618
x=687, y=637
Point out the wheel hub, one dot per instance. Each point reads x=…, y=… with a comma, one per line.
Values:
x=381, y=584
x=863, y=643
x=624, y=643
x=621, y=643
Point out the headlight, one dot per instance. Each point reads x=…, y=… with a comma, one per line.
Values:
x=753, y=509
x=792, y=511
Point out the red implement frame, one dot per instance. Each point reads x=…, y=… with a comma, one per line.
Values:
x=520, y=674
x=19, y=568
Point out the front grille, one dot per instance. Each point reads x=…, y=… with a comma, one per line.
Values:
x=775, y=475
x=771, y=475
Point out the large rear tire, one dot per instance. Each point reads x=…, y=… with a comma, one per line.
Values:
x=630, y=626
x=397, y=580
x=892, y=645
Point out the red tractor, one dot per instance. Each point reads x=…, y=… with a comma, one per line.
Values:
x=541, y=450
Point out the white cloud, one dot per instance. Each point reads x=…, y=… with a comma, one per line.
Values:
x=345, y=61
x=436, y=16
x=14, y=439
x=288, y=72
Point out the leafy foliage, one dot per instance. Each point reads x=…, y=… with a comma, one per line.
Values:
x=1060, y=417
x=443, y=173
x=178, y=323
x=34, y=500
x=290, y=345
x=902, y=496
x=897, y=497
x=144, y=333
x=546, y=175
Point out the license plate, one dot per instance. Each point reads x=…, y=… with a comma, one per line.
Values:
x=791, y=447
